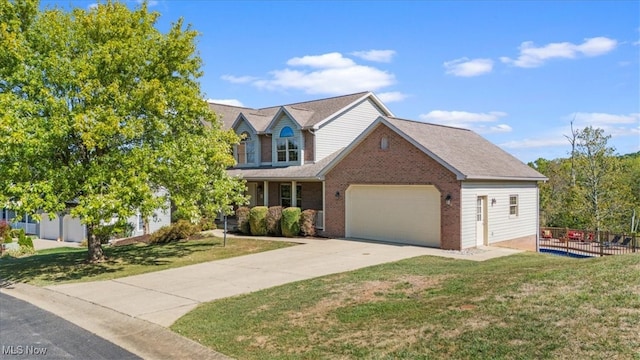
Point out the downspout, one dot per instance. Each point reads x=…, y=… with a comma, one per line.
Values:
x=537, y=217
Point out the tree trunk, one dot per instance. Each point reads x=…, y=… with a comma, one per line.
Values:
x=95, y=253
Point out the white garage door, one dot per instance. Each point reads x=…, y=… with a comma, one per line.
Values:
x=408, y=214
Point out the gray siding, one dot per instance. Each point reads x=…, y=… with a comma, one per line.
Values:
x=501, y=226
x=297, y=134
x=341, y=131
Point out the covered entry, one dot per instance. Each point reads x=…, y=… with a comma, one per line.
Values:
x=407, y=214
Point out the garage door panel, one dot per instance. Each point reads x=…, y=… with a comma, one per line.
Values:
x=394, y=213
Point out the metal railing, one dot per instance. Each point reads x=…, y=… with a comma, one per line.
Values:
x=588, y=243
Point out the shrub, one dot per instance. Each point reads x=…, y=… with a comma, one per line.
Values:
x=291, y=221
x=308, y=222
x=25, y=241
x=242, y=216
x=257, y=220
x=181, y=230
x=5, y=230
x=120, y=229
x=273, y=221
x=207, y=224
x=17, y=233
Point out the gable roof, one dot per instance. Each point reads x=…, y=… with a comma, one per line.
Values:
x=307, y=114
x=462, y=151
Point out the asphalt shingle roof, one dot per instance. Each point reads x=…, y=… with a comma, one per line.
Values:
x=307, y=114
x=306, y=171
x=468, y=153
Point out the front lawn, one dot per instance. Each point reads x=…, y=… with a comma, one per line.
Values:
x=527, y=306
x=62, y=265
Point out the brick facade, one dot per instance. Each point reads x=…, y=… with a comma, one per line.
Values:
x=309, y=146
x=265, y=148
x=401, y=163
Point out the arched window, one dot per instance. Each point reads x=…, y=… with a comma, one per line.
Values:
x=287, y=146
x=286, y=132
x=245, y=150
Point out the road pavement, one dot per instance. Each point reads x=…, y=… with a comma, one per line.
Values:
x=28, y=332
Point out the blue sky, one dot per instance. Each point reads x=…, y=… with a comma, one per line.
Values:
x=517, y=72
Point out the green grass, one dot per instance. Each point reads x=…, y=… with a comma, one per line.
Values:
x=63, y=265
x=527, y=306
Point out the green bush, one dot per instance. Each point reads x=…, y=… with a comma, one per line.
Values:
x=257, y=220
x=291, y=221
x=118, y=230
x=273, y=221
x=242, y=216
x=17, y=233
x=308, y=222
x=25, y=241
x=181, y=230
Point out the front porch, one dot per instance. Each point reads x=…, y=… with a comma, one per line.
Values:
x=304, y=194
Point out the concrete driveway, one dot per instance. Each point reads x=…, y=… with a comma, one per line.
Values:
x=133, y=312
x=164, y=296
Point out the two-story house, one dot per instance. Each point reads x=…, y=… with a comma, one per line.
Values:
x=373, y=176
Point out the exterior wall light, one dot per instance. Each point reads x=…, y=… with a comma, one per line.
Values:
x=448, y=199
x=337, y=194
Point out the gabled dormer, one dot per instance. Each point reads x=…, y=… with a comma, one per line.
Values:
x=287, y=140
x=247, y=152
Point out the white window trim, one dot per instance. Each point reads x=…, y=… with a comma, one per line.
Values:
x=299, y=144
x=139, y=221
x=516, y=205
x=247, y=142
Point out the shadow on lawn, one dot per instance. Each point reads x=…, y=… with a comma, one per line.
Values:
x=72, y=265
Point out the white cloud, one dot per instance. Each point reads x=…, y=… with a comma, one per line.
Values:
x=375, y=55
x=468, y=120
x=532, y=56
x=615, y=125
x=232, y=102
x=536, y=143
x=330, y=73
x=602, y=119
x=238, y=79
x=467, y=68
x=392, y=96
x=330, y=60
x=92, y=6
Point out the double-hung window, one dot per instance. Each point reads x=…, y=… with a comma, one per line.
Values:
x=287, y=146
x=513, y=205
x=245, y=153
x=285, y=195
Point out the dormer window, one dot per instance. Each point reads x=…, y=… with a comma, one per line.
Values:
x=245, y=153
x=287, y=146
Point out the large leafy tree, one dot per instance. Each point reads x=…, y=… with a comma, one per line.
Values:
x=99, y=111
x=603, y=193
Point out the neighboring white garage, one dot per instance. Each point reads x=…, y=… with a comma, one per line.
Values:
x=407, y=214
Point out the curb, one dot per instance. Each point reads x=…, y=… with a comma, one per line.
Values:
x=140, y=337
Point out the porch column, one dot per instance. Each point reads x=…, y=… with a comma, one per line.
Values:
x=265, y=197
x=294, y=194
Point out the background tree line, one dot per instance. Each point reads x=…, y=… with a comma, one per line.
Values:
x=594, y=188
